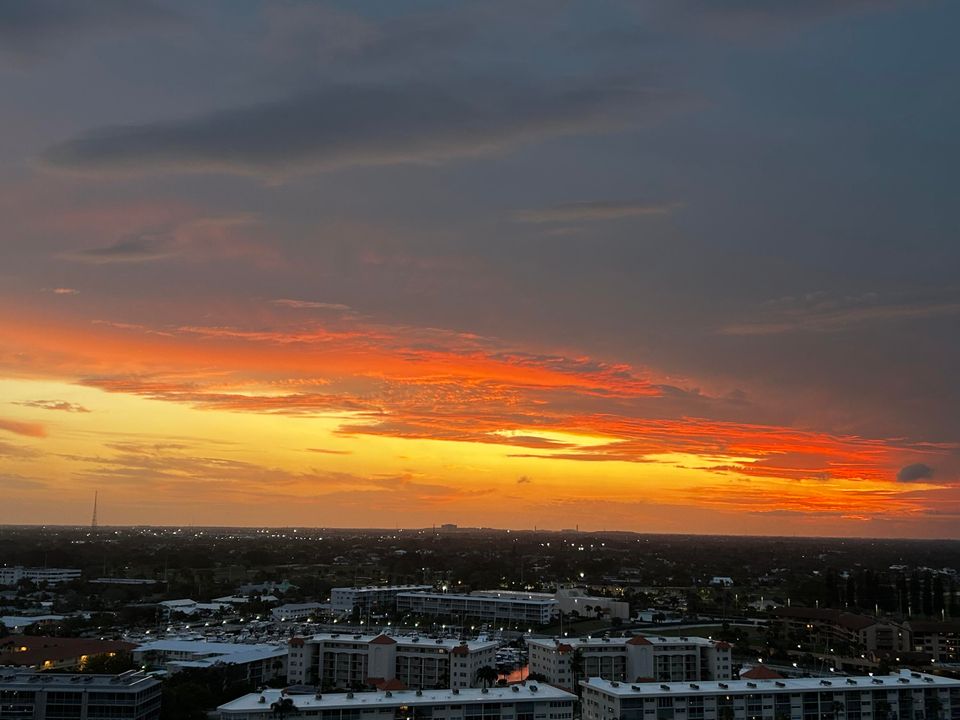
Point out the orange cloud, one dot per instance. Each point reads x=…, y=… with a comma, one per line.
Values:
x=27, y=429
x=416, y=384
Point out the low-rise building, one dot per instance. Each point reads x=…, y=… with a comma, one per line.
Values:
x=908, y=695
x=824, y=627
x=50, y=576
x=518, y=702
x=355, y=661
x=507, y=608
x=299, y=611
x=255, y=663
x=28, y=695
x=939, y=640
x=576, y=600
x=564, y=662
x=370, y=599
x=55, y=653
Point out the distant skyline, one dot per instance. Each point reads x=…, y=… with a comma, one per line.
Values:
x=649, y=265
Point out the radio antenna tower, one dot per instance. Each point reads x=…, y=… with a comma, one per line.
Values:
x=93, y=522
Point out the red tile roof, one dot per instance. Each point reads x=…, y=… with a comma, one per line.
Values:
x=383, y=640
x=638, y=640
x=380, y=684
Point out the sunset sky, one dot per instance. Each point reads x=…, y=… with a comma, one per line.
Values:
x=653, y=265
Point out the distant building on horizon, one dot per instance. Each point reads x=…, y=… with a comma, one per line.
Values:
x=370, y=598
x=50, y=576
x=495, y=607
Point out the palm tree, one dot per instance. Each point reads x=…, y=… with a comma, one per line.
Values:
x=487, y=675
x=283, y=707
x=576, y=664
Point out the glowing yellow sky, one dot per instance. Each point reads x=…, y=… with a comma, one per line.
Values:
x=329, y=427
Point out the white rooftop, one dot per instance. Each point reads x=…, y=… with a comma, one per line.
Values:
x=525, y=598
x=904, y=679
x=662, y=640
x=405, y=640
x=528, y=692
x=202, y=647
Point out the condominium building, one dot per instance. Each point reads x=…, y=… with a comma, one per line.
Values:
x=299, y=611
x=527, y=702
x=355, y=661
x=570, y=600
x=940, y=640
x=507, y=608
x=50, y=696
x=629, y=659
x=374, y=598
x=50, y=576
x=824, y=627
x=907, y=695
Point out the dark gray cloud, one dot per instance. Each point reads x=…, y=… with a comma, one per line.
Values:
x=63, y=405
x=30, y=29
x=914, y=472
x=588, y=211
x=820, y=312
x=349, y=125
x=750, y=17
x=308, y=304
x=133, y=250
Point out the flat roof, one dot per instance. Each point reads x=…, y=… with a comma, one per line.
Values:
x=483, y=598
x=607, y=642
x=202, y=646
x=530, y=691
x=373, y=588
x=405, y=640
x=905, y=679
x=87, y=681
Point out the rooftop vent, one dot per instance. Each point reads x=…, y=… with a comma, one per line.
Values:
x=349, y=696
x=780, y=684
x=261, y=699
x=825, y=683
x=515, y=689
x=751, y=684
x=533, y=688
x=388, y=694
x=723, y=685
x=851, y=681
x=664, y=687
x=877, y=681
x=456, y=691
x=485, y=691
x=419, y=693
